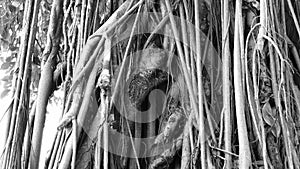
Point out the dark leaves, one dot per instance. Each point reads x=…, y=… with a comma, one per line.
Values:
x=144, y=82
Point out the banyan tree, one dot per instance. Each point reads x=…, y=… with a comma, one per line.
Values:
x=152, y=84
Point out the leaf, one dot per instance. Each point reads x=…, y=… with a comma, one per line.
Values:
x=9, y=59
x=13, y=48
x=7, y=78
x=12, y=8
x=4, y=93
x=5, y=65
x=7, y=84
x=268, y=114
x=4, y=43
x=277, y=129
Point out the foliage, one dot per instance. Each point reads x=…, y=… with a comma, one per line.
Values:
x=10, y=30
